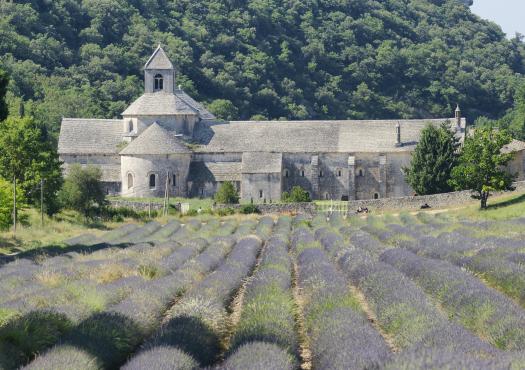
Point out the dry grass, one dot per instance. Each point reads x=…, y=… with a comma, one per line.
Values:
x=304, y=341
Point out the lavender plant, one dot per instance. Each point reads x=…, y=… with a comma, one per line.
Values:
x=468, y=301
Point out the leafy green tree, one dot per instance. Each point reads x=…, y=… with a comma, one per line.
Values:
x=223, y=109
x=227, y=194
x=82, y=191
x=481, y=166
x=296, y=195
x=433, y=160
x=6, y=204
x=4, y=81
x=28, y=154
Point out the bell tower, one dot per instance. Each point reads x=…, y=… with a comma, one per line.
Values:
x=159, y=73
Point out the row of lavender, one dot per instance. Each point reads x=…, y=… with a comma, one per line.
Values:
x=63, y=297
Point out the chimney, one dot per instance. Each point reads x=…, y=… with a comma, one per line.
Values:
x=398, y=134
x=457, y=115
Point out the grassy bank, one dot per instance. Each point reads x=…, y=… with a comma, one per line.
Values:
x=32, y=234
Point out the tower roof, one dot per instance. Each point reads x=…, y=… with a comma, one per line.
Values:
x=155, y=140
x=158, y=60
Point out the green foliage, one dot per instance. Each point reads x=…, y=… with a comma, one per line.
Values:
x=248, y=209
x=28, y=153
x=294, y=59
x=3, y=91
x=223, y=109
x=82, y=191
x=513, y=121
x=225, y=211
x=433, y=160
x=227, y=194
x=296, y=195
x=481, y=167
x=6, y=203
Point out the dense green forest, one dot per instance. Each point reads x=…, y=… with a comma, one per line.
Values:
x=296, y=59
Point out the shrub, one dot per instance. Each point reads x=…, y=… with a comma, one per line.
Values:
x=339, y=332
x=225, y=211
x=161, y=358
x=24, y=336
x=248, y=209
x=82, y=191
x=296, y=195
x=484, y=311
x=259, y=356
x=227, y=194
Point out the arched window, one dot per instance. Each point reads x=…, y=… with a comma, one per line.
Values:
x=152, y=181
x=302, y=173
x=286, y=173
x=339, y=173
x=174, y=180
x=376, y=196
x=158, y=83
x=130, y=126
x=327, y=196
x=361, y=173
x=321, y=173
x=261, y=194
x=130, y=180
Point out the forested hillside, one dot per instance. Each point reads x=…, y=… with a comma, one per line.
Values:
x=296, y=58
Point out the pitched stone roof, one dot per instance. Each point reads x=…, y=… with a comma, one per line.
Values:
x=159, y=60
x=514, y=146
x=89, y=136
x=312, y=136
x=262, y=162
x=110, y=172
x=225, y=171
x=203, y=112
x=159, y=104
x=155, y=140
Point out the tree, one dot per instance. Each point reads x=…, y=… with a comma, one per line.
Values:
x=223, y=109
x=28, y=154
x=433, y=160
x=4, y=81
x=82, y=191
x=482, y=163
x=227, y=194
x=296, y=195
x=6, y=204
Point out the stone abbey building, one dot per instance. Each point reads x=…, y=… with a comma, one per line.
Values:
x=166, y=139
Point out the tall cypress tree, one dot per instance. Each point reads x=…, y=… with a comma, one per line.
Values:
x=433, y=160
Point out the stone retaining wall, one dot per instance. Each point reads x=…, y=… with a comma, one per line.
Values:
x=136, y=206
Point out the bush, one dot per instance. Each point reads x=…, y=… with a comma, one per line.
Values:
x=227, y=194
x=249, y=209
x=296, y=195
x=82, y=191
x=225, y=211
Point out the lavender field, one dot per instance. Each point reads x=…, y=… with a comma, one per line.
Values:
x=392, y=292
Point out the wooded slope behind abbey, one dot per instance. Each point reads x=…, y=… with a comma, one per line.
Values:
x=296, y=59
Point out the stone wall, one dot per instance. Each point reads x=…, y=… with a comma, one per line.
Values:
x=412, y=203
x=136, y=206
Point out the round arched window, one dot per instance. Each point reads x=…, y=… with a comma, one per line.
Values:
x=158, y=82
x=130, y=180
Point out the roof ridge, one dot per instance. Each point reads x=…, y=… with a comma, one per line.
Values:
x=154, y=55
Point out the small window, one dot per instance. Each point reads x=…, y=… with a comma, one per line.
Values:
x=286, y=173
x=130, y=126
x=321, y=173
x=361, y=174
x=376, y=196
x=339, y=173
x=327, y=196
x=302, y=173
x=174, y=180
x=152, y=181
x=130, y=180
x=158, y=83
x=261, y=194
